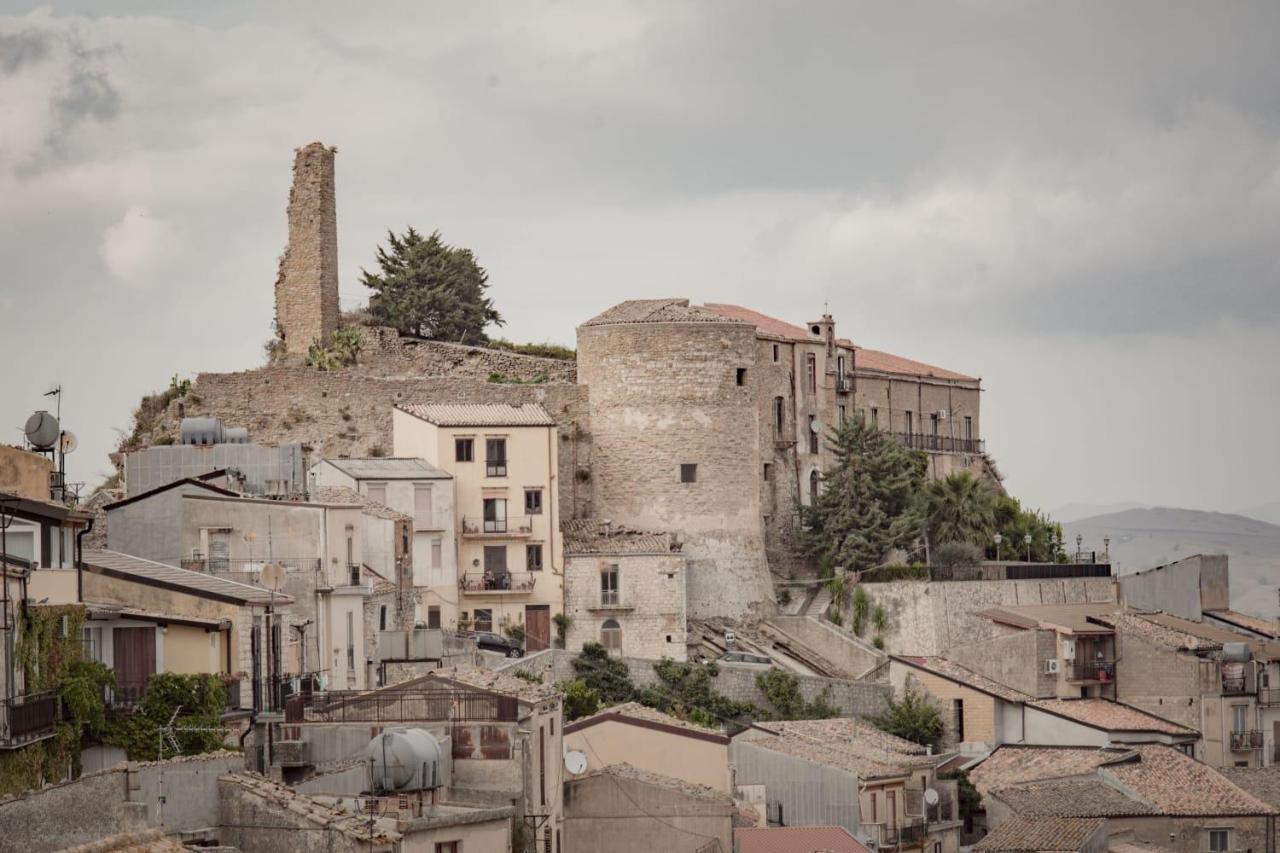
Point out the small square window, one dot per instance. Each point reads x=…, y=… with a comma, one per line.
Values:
x=464, y=449
x=1219, y=840
x=742, y=376
x=533, y=501
x=689, y=472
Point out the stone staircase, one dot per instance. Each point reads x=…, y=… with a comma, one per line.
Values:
x=818, y=605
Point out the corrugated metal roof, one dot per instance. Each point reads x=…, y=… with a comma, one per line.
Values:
x=196, y=583
x=480, y=414
x=388, y=468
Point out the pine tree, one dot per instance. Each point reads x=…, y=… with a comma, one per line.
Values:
x=430, y=289
x=865, y=505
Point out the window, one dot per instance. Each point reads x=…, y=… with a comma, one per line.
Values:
x=433, y=616
x=354, y=570
x=1239, y=718
x=813, y=487
x=484, y=619
x=351, y=642
x=448, y=847
x=688, y=472
x=542, y=765
x=495, y=457
x=767, y=472
x=891, y=808
x=533, y=557
x=906, y=422
x=875, y=416
x=382, y=618
x=968, y=428
x=813, y=433
x=875, y=818
x=1219, y=840
x=775, y=353
x=377, y=493
x=611, y=635
x=609, y=584
x=957, y=718
x=779, y=415
x=437, y=553
x=533, y=501
x=840, y=367
x=423, y=507
x=495, y=559
x=811, y=368
x=464, y=449
x=844, y=413
x=741, y=376
x=933, y=424
x=495, y=515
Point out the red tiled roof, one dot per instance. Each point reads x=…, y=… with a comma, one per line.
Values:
x=864, y=359
x=797, y=839
x=1110, y=716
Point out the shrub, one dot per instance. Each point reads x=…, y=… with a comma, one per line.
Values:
x=782, y=689
x=914, y=717
x=955, y=555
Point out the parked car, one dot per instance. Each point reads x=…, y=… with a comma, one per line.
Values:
x=745, y=657
x=493, y=642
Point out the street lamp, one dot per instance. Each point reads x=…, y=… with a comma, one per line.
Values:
x=998, y=539
x=1026, y=538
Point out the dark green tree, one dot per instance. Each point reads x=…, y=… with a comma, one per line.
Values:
x=430, y=289
x=579, y=700
x=958, y=508
x=1014, y=523
x=866, y=504
x=606, y=675
x=914, y=717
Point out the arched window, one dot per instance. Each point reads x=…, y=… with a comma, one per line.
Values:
x=813, y=487
x=611, y=635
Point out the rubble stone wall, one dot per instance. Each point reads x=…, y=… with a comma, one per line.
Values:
x=667, y=394
x=307, y=284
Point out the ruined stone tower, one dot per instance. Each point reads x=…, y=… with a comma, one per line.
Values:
x=307, y=284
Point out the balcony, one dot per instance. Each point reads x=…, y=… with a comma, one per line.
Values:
x=495, y=468
x=908, y=833
x=844, y=385
x=26, y=719
x=1246, y=741
x=516, y=527
x=498, y=583
x=612, y=601
x=940, y=443
x=1103, y=671
x=1269, y=695
x=1237, y=685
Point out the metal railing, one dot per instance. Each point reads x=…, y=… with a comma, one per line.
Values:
x=495, y=468
x=516, y=525
x=1246, y=741
x=518, y=582
x=940, y=443
x=1269, y=695
x=906, y=833
x=391, y=706
x=1093, y=670
x=26, y=718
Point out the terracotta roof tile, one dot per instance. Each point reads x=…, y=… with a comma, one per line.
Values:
x=690, y=789
x=479, y=414
x=1019, y=834
x=641, y=712
x=847, y=744
x=1111, y=716
x=387, y=468
x=1092, y=796
x=345, y=495
x=1073, y=618
x=1178, y=785
x=797, y=839
x=490, y=680
x=588, y=536
x=944, y=668
x=1015, y=765
x=1266, y=627
x=864, y=359
x=1261, y=782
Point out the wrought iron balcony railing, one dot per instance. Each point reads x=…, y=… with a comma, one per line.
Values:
x=24, y=719
x=1246, y=741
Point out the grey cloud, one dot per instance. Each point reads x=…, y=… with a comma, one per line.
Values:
x=22, y=48
x=88, y=94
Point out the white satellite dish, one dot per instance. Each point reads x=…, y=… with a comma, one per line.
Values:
x=575, y=762
x=68, y=441
x=930, y=797
x=815, y=425
x=273, y=576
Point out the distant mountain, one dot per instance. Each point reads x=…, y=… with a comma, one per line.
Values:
x=1075, y=512
x=1144, y=538
x=1269, y=513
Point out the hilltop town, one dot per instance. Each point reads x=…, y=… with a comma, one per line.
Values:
x=710, y=581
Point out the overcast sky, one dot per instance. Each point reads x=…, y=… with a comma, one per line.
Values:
x=1078, y=202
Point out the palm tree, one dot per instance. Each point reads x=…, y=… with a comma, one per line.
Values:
x=959, y=508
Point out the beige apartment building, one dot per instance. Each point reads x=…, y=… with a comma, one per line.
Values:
x=503, y=459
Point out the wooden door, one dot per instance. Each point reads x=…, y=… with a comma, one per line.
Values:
x=537, y=627
x=134, y=656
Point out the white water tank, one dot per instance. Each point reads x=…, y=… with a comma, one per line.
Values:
x=404, y=759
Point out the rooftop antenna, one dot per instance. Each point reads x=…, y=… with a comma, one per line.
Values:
x=56, y=391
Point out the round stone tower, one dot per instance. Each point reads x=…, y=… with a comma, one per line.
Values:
x=676, y=444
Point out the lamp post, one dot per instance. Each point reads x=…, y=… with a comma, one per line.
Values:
x=1026, y=538
x=998, y=539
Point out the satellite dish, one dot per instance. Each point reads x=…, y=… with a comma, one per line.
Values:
x=273, y=576
x=42, y=430
x=68, y=441
x=930, y=797
x=815, y=425
x=575, y=762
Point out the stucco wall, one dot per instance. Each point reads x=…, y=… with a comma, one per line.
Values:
x=1015, y=660
x=25, y=473
x=699, y=761
x=1184, y=588
x=808, y=793
x=626, y=816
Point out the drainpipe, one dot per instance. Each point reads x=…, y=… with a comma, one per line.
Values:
x=80, y=560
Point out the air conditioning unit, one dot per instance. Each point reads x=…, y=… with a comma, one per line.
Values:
x=1051, y=666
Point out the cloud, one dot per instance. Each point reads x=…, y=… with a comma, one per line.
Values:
x=22, y=48
x=136, y=245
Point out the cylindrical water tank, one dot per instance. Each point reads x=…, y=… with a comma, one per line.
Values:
x=201, y=431
x=42, y=430
x=404, y=760
x=235, y=435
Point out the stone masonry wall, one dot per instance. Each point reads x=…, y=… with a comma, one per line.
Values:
x=666, y=394
x=853, y=698
x=652, y=603
x=928, y=618
x=307, y=284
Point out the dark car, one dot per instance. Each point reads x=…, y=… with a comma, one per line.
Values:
x=491, y=642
